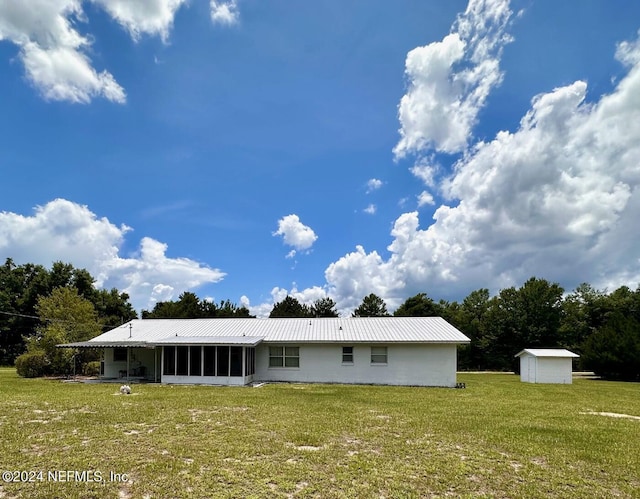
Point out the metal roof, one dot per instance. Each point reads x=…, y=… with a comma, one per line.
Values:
x=210, y=340
x=547, y=352
x=106, y=344
x=322, y=330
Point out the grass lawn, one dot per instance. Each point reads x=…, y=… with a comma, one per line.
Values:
x=496, y=438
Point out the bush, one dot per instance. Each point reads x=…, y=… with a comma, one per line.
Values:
x=32, y=364
x=92, y=368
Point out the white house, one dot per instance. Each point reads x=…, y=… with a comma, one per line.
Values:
x=546, y=365
x=378, y=350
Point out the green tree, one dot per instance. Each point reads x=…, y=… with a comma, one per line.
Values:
x=613, y=351
x=290, y=307
x=371, y=306
x=541, y=313
x=66, y=317
x=113, y=307
x=228, y=309
x=471, y=320
x=419, y=305
x=324, y=307
x=21, y=286
x=583, y=311
x=501, y=332
x=189, y=306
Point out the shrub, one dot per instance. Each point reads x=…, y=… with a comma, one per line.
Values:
x=92, y=368
x=32, y=364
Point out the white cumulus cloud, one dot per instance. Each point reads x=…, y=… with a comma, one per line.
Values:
x=557, y=198
x=225, y=13
x=425, y=198
x=371, y=209
x=295, y=233
x=373, y=184
x=151, y=17
x=449, y=81
x=54, y=53
x=65, y=231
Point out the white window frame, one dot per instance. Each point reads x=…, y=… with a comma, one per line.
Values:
x=344, y=354
x=286, y=354
x=377, y=352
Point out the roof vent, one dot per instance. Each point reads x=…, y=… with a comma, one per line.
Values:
x=340, y=328
x=309, y=322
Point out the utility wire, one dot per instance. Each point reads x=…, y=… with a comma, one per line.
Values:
x=14, y=314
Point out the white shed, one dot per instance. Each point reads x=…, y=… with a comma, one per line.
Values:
x=546, y=365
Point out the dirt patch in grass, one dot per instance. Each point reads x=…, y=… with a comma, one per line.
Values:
x=612, y=415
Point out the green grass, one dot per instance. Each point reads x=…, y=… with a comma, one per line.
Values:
x=496, y=438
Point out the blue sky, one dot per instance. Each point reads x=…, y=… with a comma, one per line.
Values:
x=246, y=150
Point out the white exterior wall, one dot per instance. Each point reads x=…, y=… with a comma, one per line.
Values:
x=408, y=364
x=545, y=369
x=554, y=370
x=207, y=380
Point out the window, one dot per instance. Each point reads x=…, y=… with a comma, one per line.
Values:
x=194, y=361
x=378, y=355
x=119, y=354
x=347, y=355
x=169, y=361
x=284, y=356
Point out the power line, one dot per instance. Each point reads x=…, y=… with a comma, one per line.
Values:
x=19, y=315
x=14, y=314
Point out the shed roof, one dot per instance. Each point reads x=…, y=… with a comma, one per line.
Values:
x=321, y=330
x=547, y=352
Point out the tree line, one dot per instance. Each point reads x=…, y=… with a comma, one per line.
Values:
x=603, y=328
x=24, y=318
x=41, y=307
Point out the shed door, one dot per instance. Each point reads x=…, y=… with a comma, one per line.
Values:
x=532, y=369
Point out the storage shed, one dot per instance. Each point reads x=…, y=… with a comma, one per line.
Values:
x=546, y=365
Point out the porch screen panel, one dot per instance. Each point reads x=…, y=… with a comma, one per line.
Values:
x=195, y=361
x=236, y=361
x=250, y=364
x=182, y=361
x=223, y=361
x=209, y=361
x=169, y=361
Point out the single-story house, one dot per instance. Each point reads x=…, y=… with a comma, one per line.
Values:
x=546, y=365
x=378, y=350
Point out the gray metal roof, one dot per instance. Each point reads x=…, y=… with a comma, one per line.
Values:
x=324, y=330
x=547, y=352
x=210, y=340
x=106, y=344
